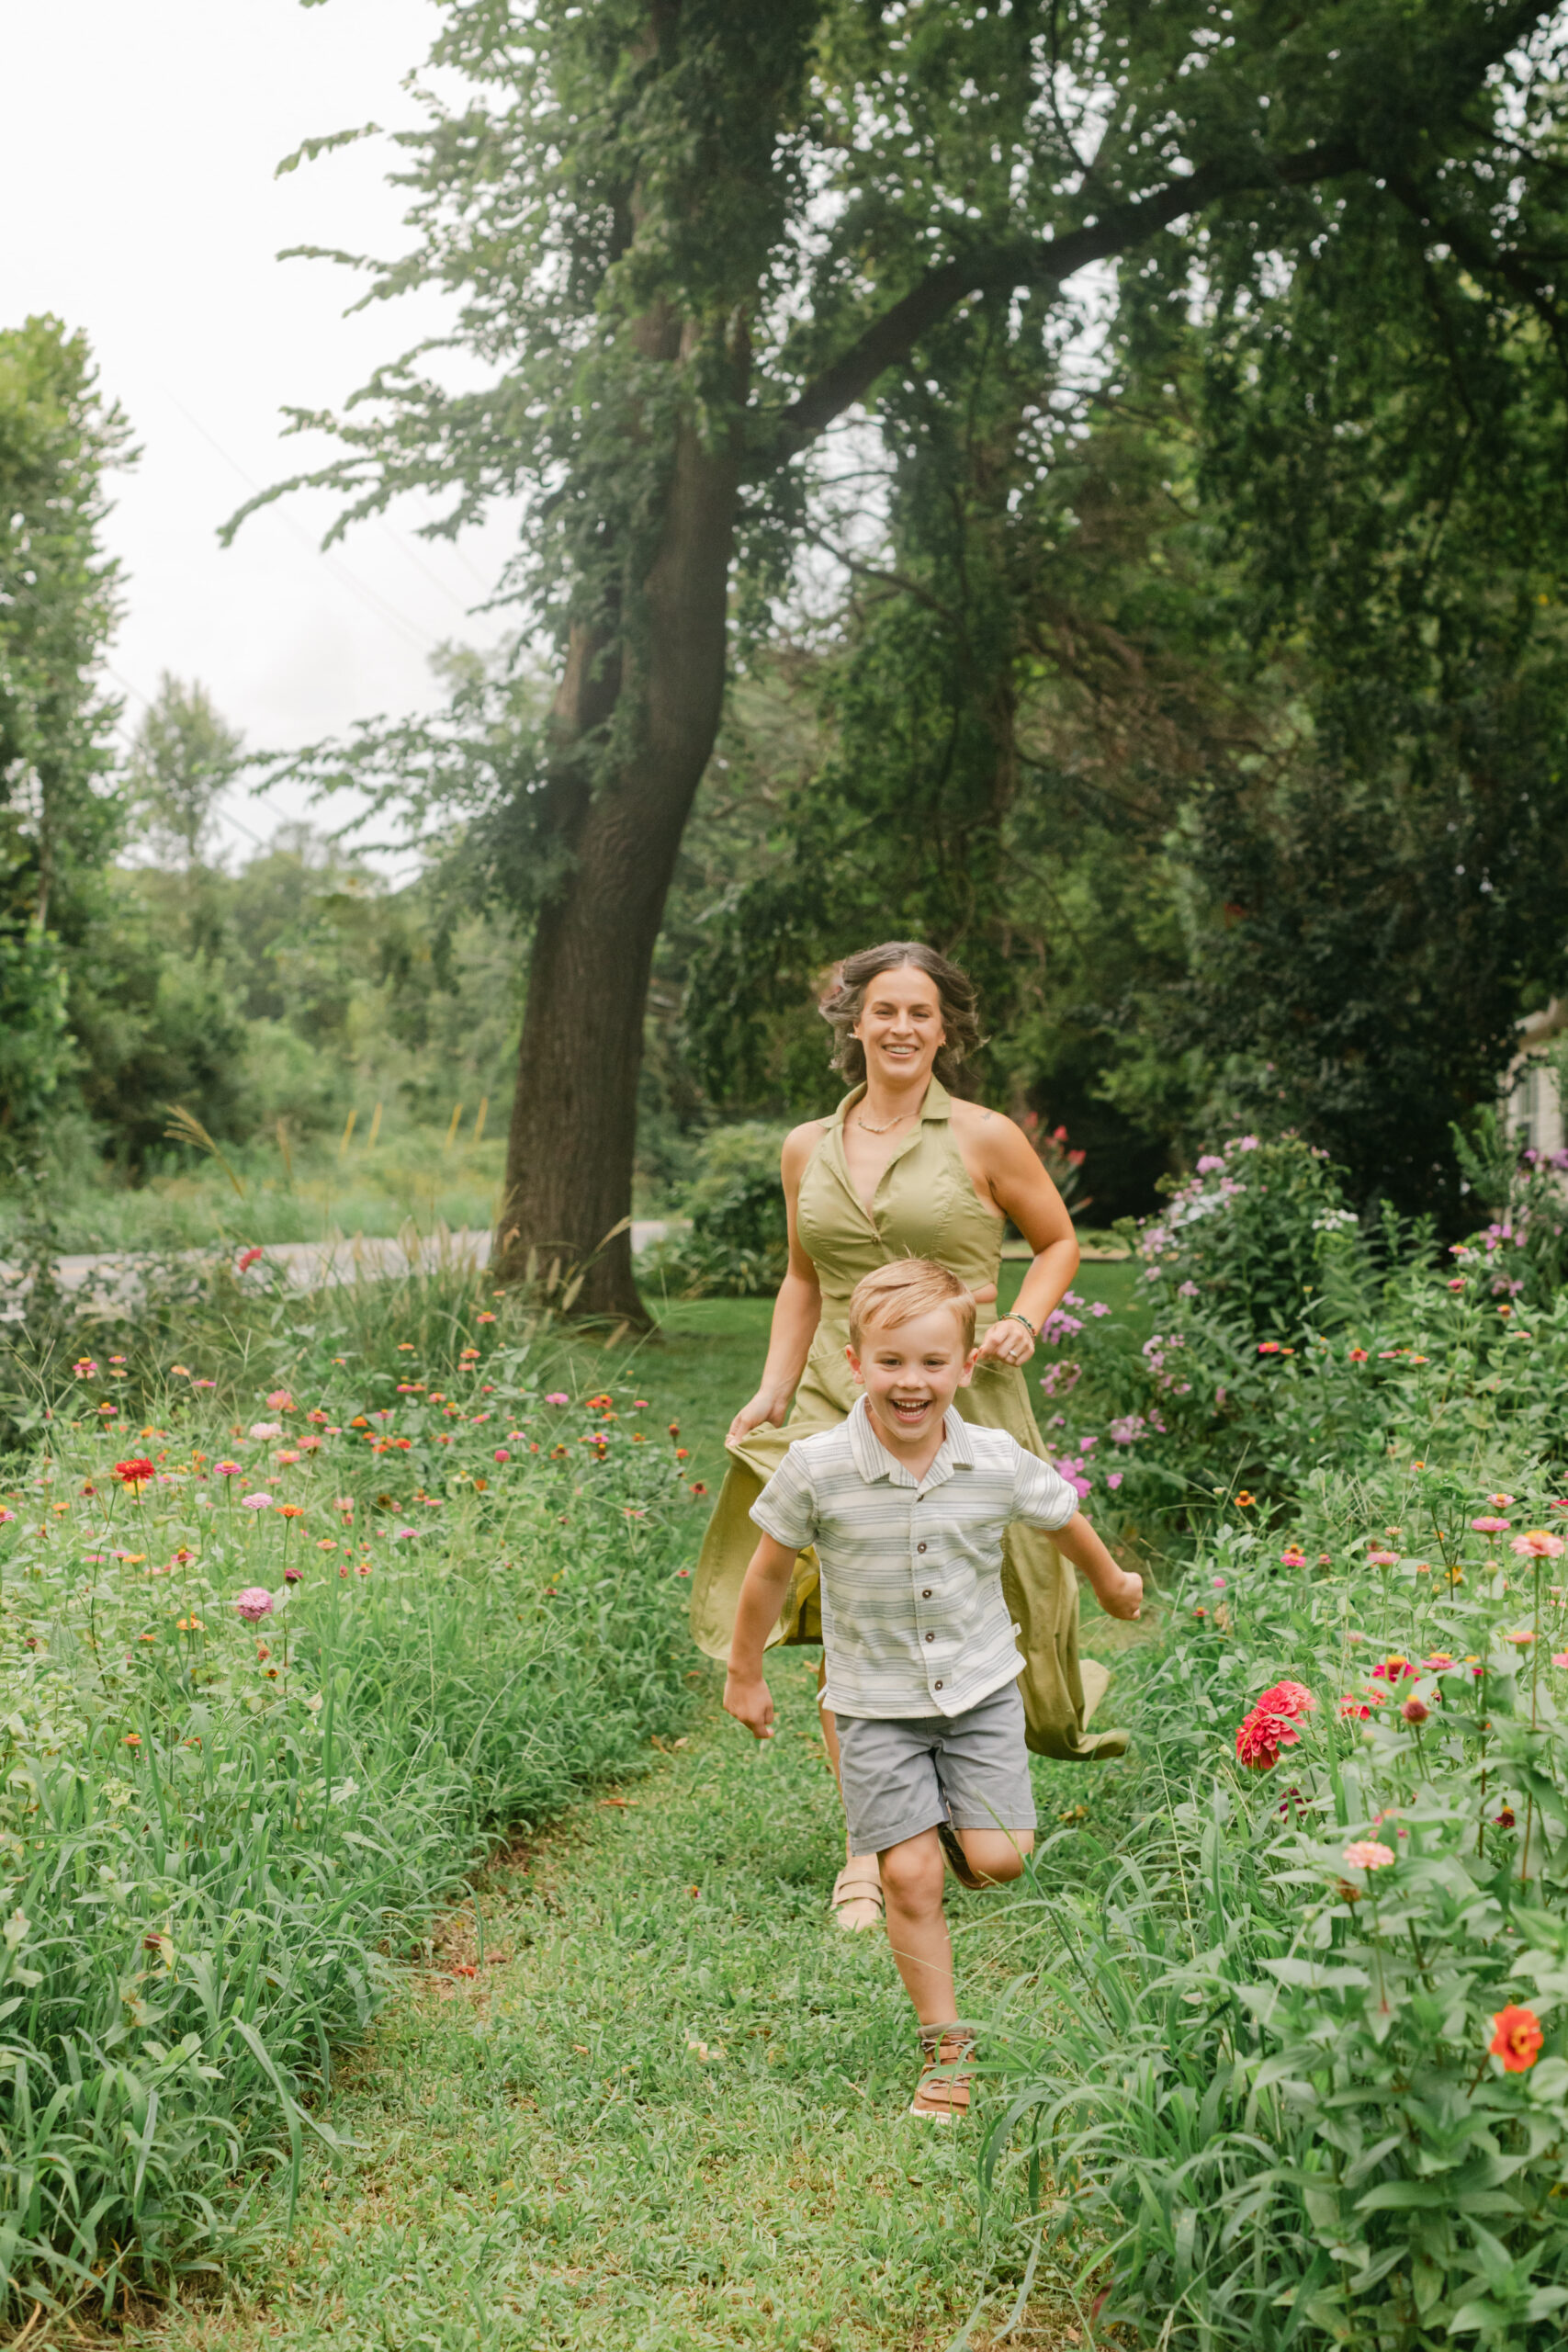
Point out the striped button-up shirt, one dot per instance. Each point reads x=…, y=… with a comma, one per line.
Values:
x=913, y=1617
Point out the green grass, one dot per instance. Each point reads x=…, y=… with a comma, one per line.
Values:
x=542, y=2158
x=412, y=1175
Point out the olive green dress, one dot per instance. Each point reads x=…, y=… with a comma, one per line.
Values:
x=925, y=1206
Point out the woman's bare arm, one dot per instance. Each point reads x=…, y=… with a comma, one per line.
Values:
x=998, y=1154
x=799, y=1307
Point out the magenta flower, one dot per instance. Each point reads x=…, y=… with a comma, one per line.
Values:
x=558, y=1396
x=256, y=1502
x=225, y=1469
x=253, y=1604
x=293, y=1576
x=404, y=1534
x=5, y=1515
x=502, y=1456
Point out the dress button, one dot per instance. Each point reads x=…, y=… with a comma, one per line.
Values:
x=920, y=1547
x=926, y=1594
x=930, y=1637
x=936, y=1685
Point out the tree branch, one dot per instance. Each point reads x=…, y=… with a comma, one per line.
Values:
x=891, y=338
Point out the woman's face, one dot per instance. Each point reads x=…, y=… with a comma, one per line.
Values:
x=900, y=1025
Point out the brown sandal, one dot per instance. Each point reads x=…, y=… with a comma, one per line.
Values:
x=860, y=1880
x=942, y=2092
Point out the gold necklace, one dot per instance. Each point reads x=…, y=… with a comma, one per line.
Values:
x=866, y=1128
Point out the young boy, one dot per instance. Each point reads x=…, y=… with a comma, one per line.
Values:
x=907, y=1504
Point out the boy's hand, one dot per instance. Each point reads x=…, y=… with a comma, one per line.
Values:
x=751, y=1703
x=1125, y=1598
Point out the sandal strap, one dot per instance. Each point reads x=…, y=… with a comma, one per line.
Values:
x=865, y=1886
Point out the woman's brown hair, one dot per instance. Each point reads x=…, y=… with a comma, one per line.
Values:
x=845, y=999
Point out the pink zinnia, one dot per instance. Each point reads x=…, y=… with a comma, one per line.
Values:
x=1491, y=1526
x=253, y=1604
x=255, y=1502
x=1287, y=1699
x=558, y=1396
x=1367, y=1854
x=1538, y=1544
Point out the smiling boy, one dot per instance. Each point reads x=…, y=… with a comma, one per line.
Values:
x=907, y=1504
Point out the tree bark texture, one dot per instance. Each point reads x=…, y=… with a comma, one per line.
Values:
x=569, y=1170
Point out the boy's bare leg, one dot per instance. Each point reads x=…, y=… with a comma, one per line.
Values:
x=996, y=1854
x=852, y=1911
x=912, y=1877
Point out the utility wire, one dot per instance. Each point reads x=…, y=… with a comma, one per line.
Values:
x=370, y=598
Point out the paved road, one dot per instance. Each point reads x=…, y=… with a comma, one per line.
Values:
x=113, y=1275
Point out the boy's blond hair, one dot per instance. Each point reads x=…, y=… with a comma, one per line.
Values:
x=910, y=1287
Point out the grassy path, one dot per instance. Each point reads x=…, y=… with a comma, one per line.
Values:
x=547, y=2157
x=544, y=2155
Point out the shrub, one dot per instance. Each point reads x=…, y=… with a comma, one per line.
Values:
x=738, y=1243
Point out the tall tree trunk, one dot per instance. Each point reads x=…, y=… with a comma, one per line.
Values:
x=569, y=1162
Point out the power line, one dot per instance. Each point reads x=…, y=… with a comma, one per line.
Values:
x=371, y=597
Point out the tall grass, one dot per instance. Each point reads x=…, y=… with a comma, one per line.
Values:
x=220, y=1835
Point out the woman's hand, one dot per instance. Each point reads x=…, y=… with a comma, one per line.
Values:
x=765, y=1406
x=1008, y=1341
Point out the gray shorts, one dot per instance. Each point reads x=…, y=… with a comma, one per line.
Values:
x=905, y=1773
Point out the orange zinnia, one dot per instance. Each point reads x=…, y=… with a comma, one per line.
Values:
x=1516, y=2039
x=291, y=1510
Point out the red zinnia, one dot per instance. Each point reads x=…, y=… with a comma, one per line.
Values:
x=1516, y=2039
x=139, y=1473
x=1259, y=1738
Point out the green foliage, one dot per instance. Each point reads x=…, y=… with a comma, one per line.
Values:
x=59, y=818
x=214, y=1830
x=183, y=756
x=738, y=1243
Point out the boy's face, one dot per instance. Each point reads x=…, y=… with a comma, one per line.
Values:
x=911, y=1372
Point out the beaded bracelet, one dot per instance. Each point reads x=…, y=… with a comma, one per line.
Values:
x=1012, y=1315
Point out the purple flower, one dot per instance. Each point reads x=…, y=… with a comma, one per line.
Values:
x=253, y=1604
x=1113, y=1479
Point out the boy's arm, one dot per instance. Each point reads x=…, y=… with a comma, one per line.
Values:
x=745, y=1693
x=1119, y=1594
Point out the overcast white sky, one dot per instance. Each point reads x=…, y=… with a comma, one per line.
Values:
x=137, y=186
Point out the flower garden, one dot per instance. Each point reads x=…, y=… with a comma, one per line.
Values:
x=1312, y=2083
x=298, y=1622
x=282, y=1652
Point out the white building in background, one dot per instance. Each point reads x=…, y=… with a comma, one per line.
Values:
x=1532, y=1101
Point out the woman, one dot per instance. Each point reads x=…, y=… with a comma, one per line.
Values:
x=903, y=1168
